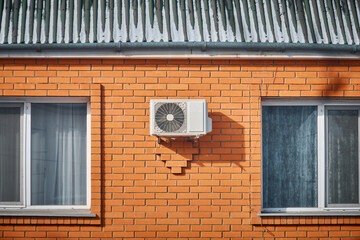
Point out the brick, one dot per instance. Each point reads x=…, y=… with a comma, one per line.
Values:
x=318, y=234
x=37, y=80
x=58, y=67
x=15, y=80
x=176, y=163
x=178, y=86
x=35, y=234
x=6, y=86
x=339, y=234
x=296, y=234
x=14, y=234
x=57, y=234
x=211, y=234
x=36, y=92
x=297, y=80
x=6, y=73
x=24, y=74
x=14, y=92
x=176, y=170
x=14, y=67
x=60, y=80
x=46, y=86
x=46, y=73
x=79, y=234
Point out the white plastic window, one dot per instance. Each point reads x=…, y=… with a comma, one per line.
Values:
x=310, y=156
x=44, y=154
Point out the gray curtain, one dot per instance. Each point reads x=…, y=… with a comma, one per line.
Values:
x=9, y=154
x=343, y=157
x=58, y=154
x=289, y=156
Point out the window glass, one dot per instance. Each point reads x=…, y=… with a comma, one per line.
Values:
x=343, y=155
x=289, y=140
x=58, y=154
x=10, y=154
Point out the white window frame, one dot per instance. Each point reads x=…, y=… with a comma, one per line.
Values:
x=26, y=156
x=322, y=105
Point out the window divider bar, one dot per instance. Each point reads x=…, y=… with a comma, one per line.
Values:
x=321, y=156
x=22, y=155
x=27, y=140
x=88, y=155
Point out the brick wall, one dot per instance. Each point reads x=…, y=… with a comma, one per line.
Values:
x=218, y=193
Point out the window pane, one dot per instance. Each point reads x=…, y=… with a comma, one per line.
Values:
x=9, y=154
x=58, y=154
x=343, y=163
x=289, y=140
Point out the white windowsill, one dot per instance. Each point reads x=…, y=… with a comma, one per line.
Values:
x=315, y=213
x=48, y=213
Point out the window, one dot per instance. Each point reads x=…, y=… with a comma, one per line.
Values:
x=310, y=156
x=44, y=154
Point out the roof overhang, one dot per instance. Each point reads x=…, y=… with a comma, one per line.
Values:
x=221, y=50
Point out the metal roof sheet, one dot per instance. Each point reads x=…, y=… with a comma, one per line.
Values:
x=333, y=22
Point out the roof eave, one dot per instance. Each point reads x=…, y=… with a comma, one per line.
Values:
x=182, y=50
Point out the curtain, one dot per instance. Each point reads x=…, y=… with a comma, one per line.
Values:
x=9, y=154
x=58, y=154
x=289, y=153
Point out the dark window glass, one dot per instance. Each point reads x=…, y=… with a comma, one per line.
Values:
x=10, y=154
x=343, y=157
x=289, y=141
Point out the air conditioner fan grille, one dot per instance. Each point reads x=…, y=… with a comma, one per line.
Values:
x=169, y=117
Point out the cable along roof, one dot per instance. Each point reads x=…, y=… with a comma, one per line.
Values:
x=250, y=21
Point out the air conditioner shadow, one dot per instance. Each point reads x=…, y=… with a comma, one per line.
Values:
x=227, y=145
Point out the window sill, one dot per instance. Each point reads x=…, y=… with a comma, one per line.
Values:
x=48, y=213
x=323, y=213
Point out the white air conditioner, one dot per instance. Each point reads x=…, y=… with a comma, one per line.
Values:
x=179, y=118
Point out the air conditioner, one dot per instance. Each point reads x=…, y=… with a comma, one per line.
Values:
x=179, y=118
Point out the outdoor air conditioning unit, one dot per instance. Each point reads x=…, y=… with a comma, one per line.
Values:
x=179, y=118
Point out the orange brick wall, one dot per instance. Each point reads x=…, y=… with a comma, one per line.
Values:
x=218, y=193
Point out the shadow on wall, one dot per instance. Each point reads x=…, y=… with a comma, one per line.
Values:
x=225, y=145
x=328, y=79
x=335, y=86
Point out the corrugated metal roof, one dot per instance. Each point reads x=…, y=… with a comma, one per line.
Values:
x=252, y=21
